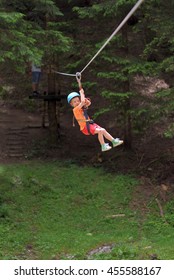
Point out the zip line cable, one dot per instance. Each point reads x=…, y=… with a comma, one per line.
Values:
x=65, y=74
x=115, y=32
x=132, y=11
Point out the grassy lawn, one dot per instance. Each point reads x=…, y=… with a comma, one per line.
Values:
x=61, y=211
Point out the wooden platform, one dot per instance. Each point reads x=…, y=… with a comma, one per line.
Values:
x=48, y=97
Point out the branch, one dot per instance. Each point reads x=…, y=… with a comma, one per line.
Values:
x=160, y=207
x=161, y=210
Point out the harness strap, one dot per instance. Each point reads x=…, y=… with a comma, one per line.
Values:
x=90, y=121
x=80, y=120
x=87, y=120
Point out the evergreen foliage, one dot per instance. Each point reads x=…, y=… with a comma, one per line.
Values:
x=31, y=31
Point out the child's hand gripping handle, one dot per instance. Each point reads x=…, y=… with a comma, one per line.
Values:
x=78, y=78
x=82, y=94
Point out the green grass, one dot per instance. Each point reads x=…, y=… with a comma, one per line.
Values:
x=60, y=211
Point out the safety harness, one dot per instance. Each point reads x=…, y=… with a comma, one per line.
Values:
x=88, y=122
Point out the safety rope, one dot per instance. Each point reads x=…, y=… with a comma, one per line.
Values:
x=132, y=11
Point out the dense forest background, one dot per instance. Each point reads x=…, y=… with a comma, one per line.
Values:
x=130, y=82
x=61, y=198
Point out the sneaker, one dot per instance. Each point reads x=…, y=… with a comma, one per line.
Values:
x=106, y=147
x=116, y=142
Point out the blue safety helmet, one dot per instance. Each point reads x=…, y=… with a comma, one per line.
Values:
x=72, y=95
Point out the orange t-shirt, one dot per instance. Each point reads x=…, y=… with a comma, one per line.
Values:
x=79, y=115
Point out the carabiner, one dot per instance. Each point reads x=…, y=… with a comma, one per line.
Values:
x=78, y=76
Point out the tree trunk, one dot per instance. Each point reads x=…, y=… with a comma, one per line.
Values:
x=127, y=107
x=127, y=126
x=52, y=114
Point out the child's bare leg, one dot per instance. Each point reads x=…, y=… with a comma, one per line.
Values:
x=103, y=133
x=107, y=135
x=104, y=146
x=100, y=135
x=115, y=142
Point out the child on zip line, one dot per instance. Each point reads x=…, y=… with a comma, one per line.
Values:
x=80, y=105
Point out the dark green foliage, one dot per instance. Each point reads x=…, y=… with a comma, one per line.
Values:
x=31, y=32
